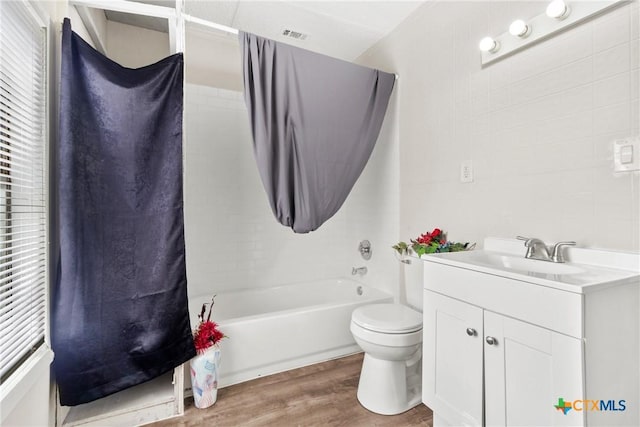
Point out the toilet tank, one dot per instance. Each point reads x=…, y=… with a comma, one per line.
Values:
x=413, y=281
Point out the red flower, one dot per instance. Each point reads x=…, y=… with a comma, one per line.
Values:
x=426, y=238
x=207, y=335
x=428, y=243
x=435, y=237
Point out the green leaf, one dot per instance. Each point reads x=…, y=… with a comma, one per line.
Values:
x=419, y=249
x=401, y=247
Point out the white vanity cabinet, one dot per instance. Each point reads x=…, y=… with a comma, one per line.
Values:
x=501, y=347
x=452, y=359
x=527, y=368
x=522, y=365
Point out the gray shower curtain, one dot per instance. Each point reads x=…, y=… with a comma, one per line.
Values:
x=315, y=121
x=119, y=304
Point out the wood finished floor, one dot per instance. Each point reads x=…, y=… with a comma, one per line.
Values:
x=319, y=395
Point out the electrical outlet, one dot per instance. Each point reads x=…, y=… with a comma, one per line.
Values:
x=466, y=171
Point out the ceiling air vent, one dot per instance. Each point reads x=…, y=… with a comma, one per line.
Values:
x=294, y=34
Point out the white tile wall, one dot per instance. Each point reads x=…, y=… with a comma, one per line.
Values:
x=233, y=241
x=538, y=125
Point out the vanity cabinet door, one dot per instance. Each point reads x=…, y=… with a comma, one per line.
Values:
x=452, y=359
x=527, y=369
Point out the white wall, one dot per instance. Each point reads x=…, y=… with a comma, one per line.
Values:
x=66, y=11
x=537, y=125
x=135, y=47
x=213, y=59
x=34, y=411
x=233, y=240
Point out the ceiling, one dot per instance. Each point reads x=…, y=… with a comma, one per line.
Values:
x=343, y=29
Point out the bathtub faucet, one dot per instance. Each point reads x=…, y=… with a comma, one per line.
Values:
x=360, y=270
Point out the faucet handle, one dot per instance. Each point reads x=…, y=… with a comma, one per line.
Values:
x=531, y=242
x=536, y=248
x=528, y=241
x=556, y=255
x=359, y=270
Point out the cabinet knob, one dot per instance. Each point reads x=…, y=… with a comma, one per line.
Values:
x=491, y=341
x=471, y=332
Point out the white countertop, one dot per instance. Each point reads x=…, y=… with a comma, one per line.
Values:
x=586, y=270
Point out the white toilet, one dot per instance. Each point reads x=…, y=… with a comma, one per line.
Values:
x=391, y=337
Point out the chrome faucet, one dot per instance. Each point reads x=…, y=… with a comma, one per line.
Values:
x=556, y=255
x=360, y=270
x=537, y=249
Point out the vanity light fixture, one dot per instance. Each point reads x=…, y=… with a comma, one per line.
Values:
x=558, y=9
x=519, y=28
x=564, y=15
x=488, y=44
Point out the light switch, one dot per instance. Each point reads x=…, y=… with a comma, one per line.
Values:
x=626, y=154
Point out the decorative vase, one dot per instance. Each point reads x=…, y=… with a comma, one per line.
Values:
x=204, y=377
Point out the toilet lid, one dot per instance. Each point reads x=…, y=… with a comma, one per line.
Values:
x=389, y=318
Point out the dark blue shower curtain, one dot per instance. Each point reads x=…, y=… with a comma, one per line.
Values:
x=119, y=304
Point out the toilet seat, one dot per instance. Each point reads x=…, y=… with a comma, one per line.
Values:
x=397, y=340
x=387, y=318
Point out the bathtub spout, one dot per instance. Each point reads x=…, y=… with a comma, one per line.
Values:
x=360, y=271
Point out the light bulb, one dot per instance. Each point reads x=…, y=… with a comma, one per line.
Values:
x=488, y=44
x=519, y=28
x=557, y=9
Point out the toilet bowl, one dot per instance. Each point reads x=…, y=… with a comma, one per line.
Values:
x=391, y=337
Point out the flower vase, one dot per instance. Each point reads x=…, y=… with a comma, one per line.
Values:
x=204, y=377
x=403, y=257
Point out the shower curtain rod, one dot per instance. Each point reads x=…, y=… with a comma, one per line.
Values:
x=175, y=17
x=205, y=23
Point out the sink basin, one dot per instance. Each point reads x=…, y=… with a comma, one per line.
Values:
x=524, y=265
x=585, y=270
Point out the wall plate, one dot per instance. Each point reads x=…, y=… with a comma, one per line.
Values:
x=626, y=154
x=466, y=171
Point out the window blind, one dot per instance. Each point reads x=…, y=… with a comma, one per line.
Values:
x=22, y=184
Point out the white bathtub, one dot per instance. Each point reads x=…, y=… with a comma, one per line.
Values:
x=276, y=329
